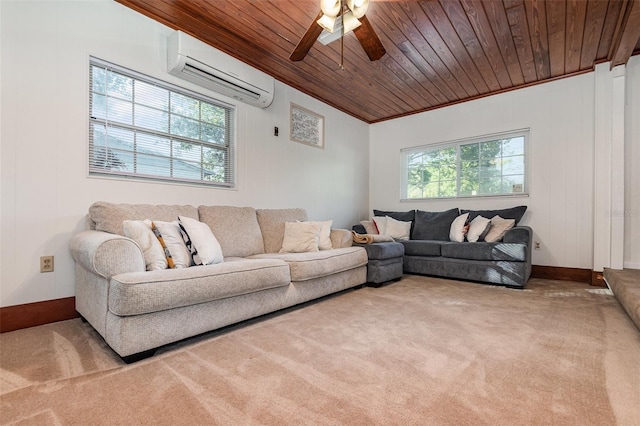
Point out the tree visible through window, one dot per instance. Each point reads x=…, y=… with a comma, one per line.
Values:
x=145, y=128
x=481, y=167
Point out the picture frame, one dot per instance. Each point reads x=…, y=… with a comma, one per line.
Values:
x=306, y=127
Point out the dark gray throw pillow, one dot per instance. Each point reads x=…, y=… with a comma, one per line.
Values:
x=433, y=225
x=512, y=213
x=401, y=216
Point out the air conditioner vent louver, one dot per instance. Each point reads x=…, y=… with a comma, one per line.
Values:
x=201, y=64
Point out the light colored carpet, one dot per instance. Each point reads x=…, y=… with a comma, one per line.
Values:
x=420, y=351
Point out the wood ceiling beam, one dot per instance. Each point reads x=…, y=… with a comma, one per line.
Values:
x=627, y=33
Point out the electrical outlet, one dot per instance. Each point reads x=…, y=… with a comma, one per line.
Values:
x=46, y=263
x=536, y=245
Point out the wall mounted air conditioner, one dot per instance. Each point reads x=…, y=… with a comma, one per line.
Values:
x=199, y=63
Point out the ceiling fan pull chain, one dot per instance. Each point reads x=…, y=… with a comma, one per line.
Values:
x=342, y=50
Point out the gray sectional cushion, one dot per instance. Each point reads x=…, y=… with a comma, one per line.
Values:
x=380, y=271
x=108, y=217
x=272, y=225
x=135, y=293
x=380, y=251
x=433, y=225
x=401, y=216
x=519, y=235
x=307, y=266
x=236, y=229
x=513, y=274
x=511, y=213
x=409, y=216
x=485, y=251
x=422, y=247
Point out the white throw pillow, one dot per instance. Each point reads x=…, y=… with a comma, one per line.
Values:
x=477, y=227
x=456, y=232
x=300, y=237
x=381, y=224
x=205, y=248
x=369, y=227
x=397, y=229
x=324, y=237
x=499, y=227
x=172, y=238
x=140, y=231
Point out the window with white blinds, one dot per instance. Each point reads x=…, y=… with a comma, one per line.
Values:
x=145, y=128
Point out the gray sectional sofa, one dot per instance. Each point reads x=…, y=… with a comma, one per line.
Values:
x=429, y=251
x=137, y=311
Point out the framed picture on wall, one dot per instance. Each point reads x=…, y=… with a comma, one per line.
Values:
x=307, y=127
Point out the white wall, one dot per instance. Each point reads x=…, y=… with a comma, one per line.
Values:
x=560, y=201
x=632, y=169
x=45, y=190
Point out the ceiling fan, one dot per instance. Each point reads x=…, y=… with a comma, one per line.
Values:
x=341, y=17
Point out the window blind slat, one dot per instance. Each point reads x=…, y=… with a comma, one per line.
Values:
x=144, y=128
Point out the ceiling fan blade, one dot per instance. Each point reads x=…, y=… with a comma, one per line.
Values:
x=369, y=40
x=307, y=40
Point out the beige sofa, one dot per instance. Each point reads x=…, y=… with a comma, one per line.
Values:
x=137, y=311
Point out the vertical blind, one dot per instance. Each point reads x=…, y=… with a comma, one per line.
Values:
x=145, y=128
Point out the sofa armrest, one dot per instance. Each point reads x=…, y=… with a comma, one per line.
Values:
x=519, y=235
x=106, y=254
x=341, y=238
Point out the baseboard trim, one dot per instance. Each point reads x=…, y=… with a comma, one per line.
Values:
x=39, y=313
x=597, y=279
x=565, y=274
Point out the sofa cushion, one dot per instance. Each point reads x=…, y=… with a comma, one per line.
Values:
x=485, y=251
x=135, y=293
x=401, y=216
x=108, y=217
x=380, y=251
x=511, y=213
x=272, y=222
x=307, y=266
x=236, y=229
x=433, y=225
x=409, y=216
x=422, y=247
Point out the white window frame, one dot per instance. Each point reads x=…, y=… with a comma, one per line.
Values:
x=228, y=148
x=457, y=144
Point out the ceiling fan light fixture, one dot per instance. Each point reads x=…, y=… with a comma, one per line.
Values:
x=349, y=22
x=328, y=23
x=358, y=7
x=331, y=8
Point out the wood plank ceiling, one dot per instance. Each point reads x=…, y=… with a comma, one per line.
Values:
x=438, y=52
